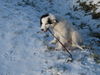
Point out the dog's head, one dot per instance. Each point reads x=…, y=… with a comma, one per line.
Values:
x=47, y=21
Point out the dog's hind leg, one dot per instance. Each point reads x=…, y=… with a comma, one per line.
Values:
x=76, y=40
x=78, y=46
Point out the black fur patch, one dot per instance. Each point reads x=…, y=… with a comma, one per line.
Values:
x=49, y=21
x=43, y=17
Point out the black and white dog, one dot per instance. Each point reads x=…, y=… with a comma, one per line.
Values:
x=64, y=31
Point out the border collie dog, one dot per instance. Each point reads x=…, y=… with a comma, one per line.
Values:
x=65, y=32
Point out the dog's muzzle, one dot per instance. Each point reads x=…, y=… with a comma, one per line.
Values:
x=44, y=30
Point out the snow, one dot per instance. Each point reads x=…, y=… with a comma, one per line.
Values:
x=22, y=48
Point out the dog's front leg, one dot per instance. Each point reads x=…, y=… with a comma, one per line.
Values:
x=54, y=41
x=59, y=45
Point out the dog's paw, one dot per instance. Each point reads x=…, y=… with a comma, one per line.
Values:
x=58, y=48
x=53, y=42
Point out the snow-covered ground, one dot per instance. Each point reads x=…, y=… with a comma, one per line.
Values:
x=22, y=48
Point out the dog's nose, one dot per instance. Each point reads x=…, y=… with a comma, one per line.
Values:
x=42, y=29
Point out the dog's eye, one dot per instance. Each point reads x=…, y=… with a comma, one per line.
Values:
x=49, y=21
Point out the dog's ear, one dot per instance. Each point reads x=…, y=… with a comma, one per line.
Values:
x=40, y=22
x=45, y=15
x=50, y=21
x=53, y=18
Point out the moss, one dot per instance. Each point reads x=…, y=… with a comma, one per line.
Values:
x=98, y=42
x=87, y=7
x=82, y=25
x=98, y=26
x=95, y=34
x=96, y=15
x=68, y=14
x=96, y=58
x=78, y=1
x=75, y=8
